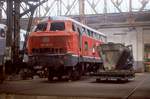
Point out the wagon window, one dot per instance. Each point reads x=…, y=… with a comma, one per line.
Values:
x=41, y=27
x=100, y=38
x=92, y=34
x=86, y=45
x=83, y=30
x=60, y=26
x=89, y=32
x=96, y=36
x=103, y=39
x=79, y=30
x=73, y=27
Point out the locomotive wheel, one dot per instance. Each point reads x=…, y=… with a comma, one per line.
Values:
x=50, y=75
x=1, y=78
x=74, y=75
x=98, y=80
x=25, y=74
x=50, y=78
x=55, y=73
x=1, y=74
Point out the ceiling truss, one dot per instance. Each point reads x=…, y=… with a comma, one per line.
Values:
x=71, y=7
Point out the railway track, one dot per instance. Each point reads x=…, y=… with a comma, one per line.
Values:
x=86, y=87
x=134, y=89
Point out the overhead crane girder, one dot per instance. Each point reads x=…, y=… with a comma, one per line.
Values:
x=13, y=28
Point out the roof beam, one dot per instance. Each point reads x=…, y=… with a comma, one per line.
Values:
x=117, y=4
x=32, y=7
x=144, y=3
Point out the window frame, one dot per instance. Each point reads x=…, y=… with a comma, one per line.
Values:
x=43, y=23
x=57, y=28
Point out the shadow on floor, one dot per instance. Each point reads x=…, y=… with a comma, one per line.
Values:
x=65, y=80
x=112, y=81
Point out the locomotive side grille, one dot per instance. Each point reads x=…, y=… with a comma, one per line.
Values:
x=48, y=50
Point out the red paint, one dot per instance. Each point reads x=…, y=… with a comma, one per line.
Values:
x=67, y=40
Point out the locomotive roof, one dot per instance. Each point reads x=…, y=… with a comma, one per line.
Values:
x=68, y=18
x=87, y=27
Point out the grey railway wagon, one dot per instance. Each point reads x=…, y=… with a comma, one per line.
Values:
x=117, y=62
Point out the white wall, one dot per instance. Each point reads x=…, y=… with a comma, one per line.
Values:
x=146, y=36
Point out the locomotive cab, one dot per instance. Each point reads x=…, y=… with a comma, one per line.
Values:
x=51, y=37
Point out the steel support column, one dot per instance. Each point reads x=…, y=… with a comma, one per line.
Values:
x=81, y=11
x=9, y=23
x=12, y=35
x=16, y=30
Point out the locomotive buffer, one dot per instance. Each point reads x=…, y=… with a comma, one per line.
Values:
x=117, y=62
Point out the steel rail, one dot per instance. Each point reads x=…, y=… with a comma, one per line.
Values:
x=134, y=89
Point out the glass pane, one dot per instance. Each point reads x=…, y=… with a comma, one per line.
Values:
x=57, y=26
x=41, y=27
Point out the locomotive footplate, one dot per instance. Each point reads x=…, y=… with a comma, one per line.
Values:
x=53, y=59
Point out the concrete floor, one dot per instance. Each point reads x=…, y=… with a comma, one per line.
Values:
x=85, y=88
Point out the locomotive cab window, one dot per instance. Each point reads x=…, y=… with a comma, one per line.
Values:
x=57, y=26
x=41, y=27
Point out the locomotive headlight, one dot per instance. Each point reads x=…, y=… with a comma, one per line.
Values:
x=45, y=39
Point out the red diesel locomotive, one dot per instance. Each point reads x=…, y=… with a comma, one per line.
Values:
x=66, y=47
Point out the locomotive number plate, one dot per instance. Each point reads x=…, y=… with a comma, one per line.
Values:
x=45, y=39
